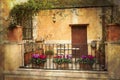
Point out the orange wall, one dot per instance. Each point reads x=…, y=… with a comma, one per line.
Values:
x=60, y=30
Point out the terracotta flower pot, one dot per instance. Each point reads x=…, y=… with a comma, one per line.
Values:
x=15, y=34
x=84, y=66
x=38, y=65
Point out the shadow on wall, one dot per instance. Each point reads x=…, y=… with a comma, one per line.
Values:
x=1, y=62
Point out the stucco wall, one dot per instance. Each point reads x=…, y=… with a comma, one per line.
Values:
x=113, y=51
x=113, y=60
x=4, y=12
x=13, y=56
x=60, y=30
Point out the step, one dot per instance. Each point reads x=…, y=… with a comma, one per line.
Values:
x=40, y=74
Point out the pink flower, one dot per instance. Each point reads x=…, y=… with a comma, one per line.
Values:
x=84, y=57
x=91, y=57
x=69, y=56
x=35, y=55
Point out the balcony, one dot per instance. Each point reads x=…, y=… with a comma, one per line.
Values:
x=73, y=50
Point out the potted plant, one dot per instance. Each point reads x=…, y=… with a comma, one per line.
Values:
x=14, y=32
x=49, y=53
x=62, y=61
x=38, y=60
x=86, y=61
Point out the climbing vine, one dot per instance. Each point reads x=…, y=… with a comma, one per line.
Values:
x=28, y=9
x=32, y=7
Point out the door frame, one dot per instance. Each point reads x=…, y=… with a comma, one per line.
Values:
x=81, y=45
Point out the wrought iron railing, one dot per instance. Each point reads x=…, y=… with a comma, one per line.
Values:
x=74, y=51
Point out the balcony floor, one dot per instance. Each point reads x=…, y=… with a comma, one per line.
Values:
x=41, y=74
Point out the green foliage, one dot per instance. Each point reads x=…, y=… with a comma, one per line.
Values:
x=24, y=9
x=38, y=60
x=89, y=59
x=49, y=52
x=61, y=59
x=32, y=7
x=27, y=9
x=12, y=26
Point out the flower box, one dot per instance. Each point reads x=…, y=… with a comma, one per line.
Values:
x=62, y=66
x=62, y=61
x=38, y=60
x=86, y=62
x=85, y=66
x=38, y=65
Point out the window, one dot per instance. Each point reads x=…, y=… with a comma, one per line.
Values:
x=27, y=29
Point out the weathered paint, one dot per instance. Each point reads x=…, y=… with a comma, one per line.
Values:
x=60, y=30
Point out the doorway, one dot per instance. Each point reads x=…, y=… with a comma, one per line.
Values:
x=79, y=39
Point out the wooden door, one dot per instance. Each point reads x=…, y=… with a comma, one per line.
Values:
x=79, y=40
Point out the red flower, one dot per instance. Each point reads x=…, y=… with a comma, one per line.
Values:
x=42, y=56
x=91, y=57
x=58, y=56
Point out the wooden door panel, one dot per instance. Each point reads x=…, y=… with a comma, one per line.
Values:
x=79, y=40
x=79, y=35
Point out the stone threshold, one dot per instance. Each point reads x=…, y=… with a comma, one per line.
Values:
x=48, y=74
